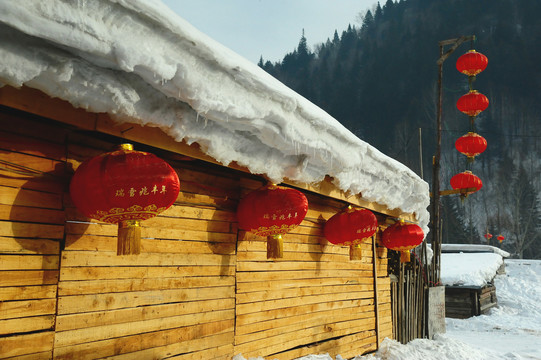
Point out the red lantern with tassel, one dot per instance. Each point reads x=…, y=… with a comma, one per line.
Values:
x=272, y=212
x=471, y=145
x=124, y=187
x=472, y=103
x=349, y=228
x=402, y=237
x=471, y=63
x=466, y=180
x=488, y=236
x=500, y=238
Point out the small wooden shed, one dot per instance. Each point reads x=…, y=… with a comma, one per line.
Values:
x=77, y=79
x=470, y=294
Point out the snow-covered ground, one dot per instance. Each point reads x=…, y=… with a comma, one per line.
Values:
x=510, y=331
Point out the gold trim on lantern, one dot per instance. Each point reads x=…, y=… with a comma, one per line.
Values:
x=129, y=223
x=126, y=147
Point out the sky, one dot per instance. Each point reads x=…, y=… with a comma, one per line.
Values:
x=270, y=28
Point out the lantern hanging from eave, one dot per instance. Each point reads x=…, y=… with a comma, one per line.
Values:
x=500, y=238
x=124, y=187
x=272, y=211
x=471, y=63
x=403, y=237
x=349, y=228
x=471, y=145
x=488, y=236
x=472, y=103
x=466, y=180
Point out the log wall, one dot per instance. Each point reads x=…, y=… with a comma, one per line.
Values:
x=200, y=289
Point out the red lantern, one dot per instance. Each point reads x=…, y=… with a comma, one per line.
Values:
x=471, y=144
x=466, y=180
x=272, y=212
x=350, y=227
x=488, y=236
x=471, y=63
x=124, y=187
x=402, y=237
x=472, y=103
x=500, y=238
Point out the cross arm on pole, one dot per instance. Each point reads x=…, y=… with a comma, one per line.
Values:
x=455, y=43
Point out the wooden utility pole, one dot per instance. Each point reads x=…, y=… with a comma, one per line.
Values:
x=436, y=233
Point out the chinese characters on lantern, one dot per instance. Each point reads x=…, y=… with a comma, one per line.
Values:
x=143, y=191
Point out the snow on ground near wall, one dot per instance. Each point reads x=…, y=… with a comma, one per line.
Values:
x=510, y=331
x=469, y=269
x=140, y=62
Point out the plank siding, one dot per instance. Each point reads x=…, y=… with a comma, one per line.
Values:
x=201, y=288
x=32, y=178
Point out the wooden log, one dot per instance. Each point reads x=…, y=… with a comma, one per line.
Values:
x=26, y=308
x=84, y=335
x=29, y=262
x=292, y=302
x=155, y=345
x=110, y=301
x=244, y=319
x=299, y=292
x=26, y=324
x=31, y=214
x=17, y=346
x=9, y=245
x=27, y=292
x=88, y=258
x=301, y=274
x=141, y=313
x=67, y=288
x=29, y=277
x=144, y=272
x=249, y=287
x=29, y=230
x=323, y=313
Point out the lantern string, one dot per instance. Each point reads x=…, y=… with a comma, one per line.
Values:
x=23, y=170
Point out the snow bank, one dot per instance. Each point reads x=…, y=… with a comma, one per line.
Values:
x=139, y=62
x=469, y=269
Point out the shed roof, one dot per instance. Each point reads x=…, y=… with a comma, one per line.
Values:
x=141, y=63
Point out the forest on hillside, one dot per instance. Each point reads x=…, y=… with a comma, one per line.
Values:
x=379, y=79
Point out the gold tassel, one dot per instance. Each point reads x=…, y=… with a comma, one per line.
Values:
x=129, y=237
x=404, y=256
x=355, y=252
x=275, y=247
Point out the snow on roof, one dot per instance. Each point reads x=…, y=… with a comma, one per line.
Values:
x=139, y=62
x=469, y=269
x=473, y=248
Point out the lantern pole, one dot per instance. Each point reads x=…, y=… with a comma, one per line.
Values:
x=436, y=233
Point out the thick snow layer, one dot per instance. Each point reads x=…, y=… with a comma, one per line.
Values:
x=469, y=269
x=510, y=331
x=139, y=62
x=473, y=248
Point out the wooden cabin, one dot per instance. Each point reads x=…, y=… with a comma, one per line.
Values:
x=201, y=288
x=466, y=297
